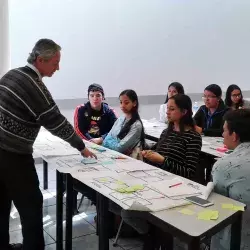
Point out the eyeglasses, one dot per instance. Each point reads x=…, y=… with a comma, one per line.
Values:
x=236, y=96
x=208, y=97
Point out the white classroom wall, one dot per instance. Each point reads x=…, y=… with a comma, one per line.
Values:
x=4, y=38
x=139, y=44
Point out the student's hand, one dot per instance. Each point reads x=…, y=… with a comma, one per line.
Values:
x=86, y=153
x=153, y=156
x=98, y=141
x=198, y=129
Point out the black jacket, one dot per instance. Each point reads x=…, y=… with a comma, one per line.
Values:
x=82, y=121
x=212, y=125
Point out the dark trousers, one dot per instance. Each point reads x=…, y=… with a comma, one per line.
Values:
x=19, y=183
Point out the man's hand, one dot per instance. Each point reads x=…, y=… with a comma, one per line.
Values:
x=86, y=153
x=98, y=141
x=153, y=156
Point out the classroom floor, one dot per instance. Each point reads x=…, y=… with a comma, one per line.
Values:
x=84, y=228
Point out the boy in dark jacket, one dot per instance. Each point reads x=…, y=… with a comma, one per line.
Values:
x=209, y=118
x=94, y=119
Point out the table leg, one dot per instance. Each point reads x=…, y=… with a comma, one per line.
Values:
x=103, y=221
x=194, y=244
x=45, y=175
x=69, y=212
x=236, y=233
x=59, y=210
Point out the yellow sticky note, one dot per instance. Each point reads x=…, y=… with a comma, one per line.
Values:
x=208, y=215
x=215, y=215
x=238, y=208
x=103, y=179
x=227, y=206
x=130, y=190
x=120, y=190
x=186, y=211
x=137, y=187
x=120, y=182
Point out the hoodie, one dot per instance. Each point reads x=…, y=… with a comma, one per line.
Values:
x=90, y=124
x=211, y=124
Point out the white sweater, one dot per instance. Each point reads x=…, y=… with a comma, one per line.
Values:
x=163, y=111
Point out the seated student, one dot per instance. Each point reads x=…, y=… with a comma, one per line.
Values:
x=178, y=152
x=173, y=89
x=127, y=133
x=231, y=174
x=94, y=119
x=209, y=117
x=179, y=146
x=234, y=98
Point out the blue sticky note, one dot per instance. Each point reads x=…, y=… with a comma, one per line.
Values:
x=88, y=161
x=107, y=162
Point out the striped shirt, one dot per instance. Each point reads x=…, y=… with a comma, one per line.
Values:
x=25, y=105
x=181, y=152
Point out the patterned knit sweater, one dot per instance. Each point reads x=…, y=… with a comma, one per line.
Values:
x=25, y=106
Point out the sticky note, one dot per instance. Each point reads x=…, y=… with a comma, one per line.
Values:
x=130, y=190
x=103, y=180
x=238, y=208
x=120, y=190
x=208, y=215
x=120, y=182
x=107, y=162
x=186, y=211
x=227, y=206
x=137, y=187
x=215, y=215
x=233, y=207
x=88, y=161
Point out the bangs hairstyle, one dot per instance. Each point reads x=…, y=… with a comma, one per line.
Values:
x=178, y=86
x=184, y=103
x=228, y=100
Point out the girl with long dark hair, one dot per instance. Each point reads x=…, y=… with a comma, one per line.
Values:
x=234, y=98
x=173, y=89
x=127, y=132
x=179, y=146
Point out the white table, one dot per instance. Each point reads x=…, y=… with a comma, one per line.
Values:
x=170, y=221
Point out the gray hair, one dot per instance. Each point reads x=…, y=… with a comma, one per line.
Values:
x=45, y=48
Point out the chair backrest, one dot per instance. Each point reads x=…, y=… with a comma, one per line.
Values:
x=76, y=125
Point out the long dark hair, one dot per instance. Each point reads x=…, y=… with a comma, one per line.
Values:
x=178, y=86
x=228, y=100
x=183, y=102
x=131, y=94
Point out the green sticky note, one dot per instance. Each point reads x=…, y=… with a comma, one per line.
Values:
x=137, y=187
x=227, y=206
x=238, y=208
x=186, y=211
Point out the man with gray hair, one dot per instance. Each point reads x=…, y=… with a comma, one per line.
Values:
x=25, y=106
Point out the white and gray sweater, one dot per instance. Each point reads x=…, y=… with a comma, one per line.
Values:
x=25, y=106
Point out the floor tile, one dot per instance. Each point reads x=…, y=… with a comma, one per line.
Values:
x=80, y=228
x=129, y=243
x=16, y=237
x=90, y=219
x=87, y=207
x=48, y=199
x=90, y=242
